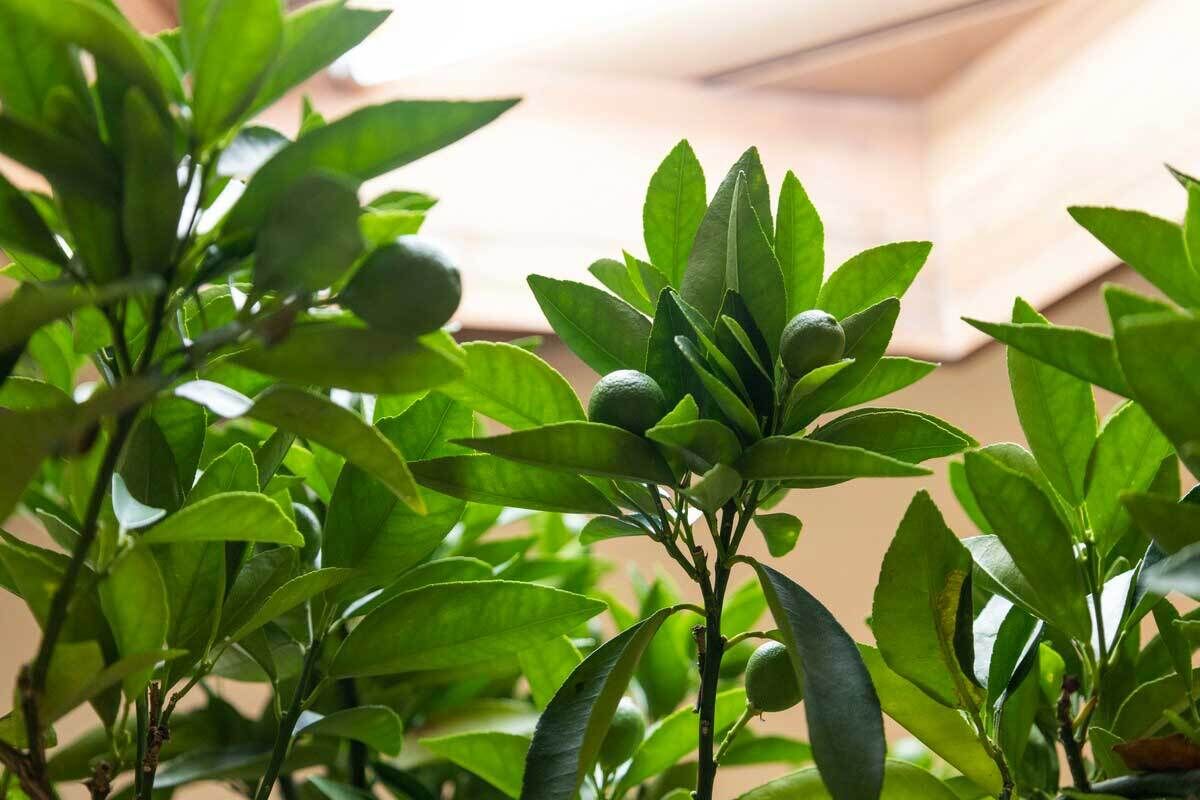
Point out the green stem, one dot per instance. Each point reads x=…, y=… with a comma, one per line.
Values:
x=741, y=637
x=727, y=742
x=283, y=737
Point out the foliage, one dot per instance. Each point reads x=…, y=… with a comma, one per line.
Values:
x=1035, y=629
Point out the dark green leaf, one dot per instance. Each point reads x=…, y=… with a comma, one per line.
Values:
x=753, y=750
x=753, y=271
x=606, y=333
x=1172, y=525
x=872, y=276
x=705, y=442
x=675, y=204
x=800, y=245
x=78, y=685
x=32, y=306
x=600, y=528
x=449, y=624
x=966, y=498
x=789, y=458
x=845, y=724
x=726, y=399
x=258, y=578
x=496, y=481
x=291, y=594
x=442, y=570
x=23, y=232
x=377, y=726
x=903, y=435
x=310, y=236
x=194, y=576
x=33, y=66
x=82, y=169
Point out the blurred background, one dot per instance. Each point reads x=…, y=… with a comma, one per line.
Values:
x=971, y=124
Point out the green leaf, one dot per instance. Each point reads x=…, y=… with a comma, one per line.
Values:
x=615, y=277
x=134, y=600
x=234, y=55
x=674, y=737
x=33, y=68
x=890, y=374
x=600, y=528
x=900, y=434
x=588, y=448
x=780, y=532
x=606, y=333
x=1057, y=413
x=704, y=442
x=917, y=608
x=732, y=406
x=800, y=245
x=1152, y=246
x=867, y=335
x=442, y=570
x=81, y=171
x=227, y=516
x=34, y=573
x=675, y=204
x=496, y=481
x=513, y=386
x=664, y=671
x=495, y=756
x=101, y=30
x=78, y=685
x=261, y=575
x=31, y=306
x=1128, y=453
x=752, y=270
x=547, y=666
x=313, y=38
x=754, y=750
x=194, y=576
x=1076, y=351
x=1172, y=525
x=310, y=236
x=363, y=144
x=358, y=359
x=23, y=232
x=569, y=732
x=336, y=791
x=743, y=608
x=789, y=458
x=966, y=498
x=901, y=781
x=450, y=624
x=291, y=594
x=1033, y=534
x=1157, y=352
x=703, y=285
x=664, y=361
x=379, y=727
x=872, y=276
x=845, y=724
x=714, y=488
x=943, y=730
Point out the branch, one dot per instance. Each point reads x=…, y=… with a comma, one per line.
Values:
x=1155, y=784
x=1066, y=734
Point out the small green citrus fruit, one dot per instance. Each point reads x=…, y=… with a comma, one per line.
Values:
x=626, y=732
x=812, y=339
x=408, y=287
x=771, y=683
x=627, y=399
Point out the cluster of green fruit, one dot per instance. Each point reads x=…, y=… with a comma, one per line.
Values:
x=409, y=287
x=634, y=401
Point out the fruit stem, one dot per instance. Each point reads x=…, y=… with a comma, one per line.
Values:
x=727, y=742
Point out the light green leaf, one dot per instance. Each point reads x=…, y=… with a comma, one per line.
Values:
x=675, y=204
x=674, y=737
x=258, y=578
x=291, y=594
x=872, y=276
x=227, y=516
x=966, y=498
x=615, y=276
x=901, y=781
x=780, y=532
x=547, y=666
x=443, y=570
x=513, y=386
x=233, y=56
x=79, y=684
x=194, y=576
x=1076, y=351
x=496, y=481
x=714, y=488
x=449, y=624
x=903, y=435
x=755, y=750
x=789, y=458
x=890, y=374
x=800, y=245
x=743, y=608
x=495, y=756
x=607, y=333
x=600, y=528
x=704, y=442
x=134, y=600
x=588, y=448
x=376, y=726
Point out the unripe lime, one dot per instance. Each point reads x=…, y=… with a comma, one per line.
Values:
x=771, y=683
x=408, y=287
x=310, y=528
x=626, y=732
x=812, y=339
x=628, y=399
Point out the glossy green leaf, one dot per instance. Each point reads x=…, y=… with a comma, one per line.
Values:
x=845, y=724
x=310, y=236
x=358, y=359
x=600, y=528
x=1032, y=533
x=674, y=737
x=588, y=448
x=134, y=600
x=890, y=374
x=781, y=531
x=291, y=594
x=794, y=412
x=1157, y=352
x=1150, y=245
x=664, y=361
x=513, y=386
x=258, y=578
x=496, y=756
x=606, y=333
x=943, y=730
x=732, y=406
x=903, y=435
x=901, y=781
x=675, y=204
x=234, y=55
x=379, y=727
x=753, y=271
x=363, y=144
x=497, y=481
x=615, y=277
x=1128, y=453
x=566, y=743
x=1076, y=351
x=443, y=570
x=547, y=666
x=789, y=458
x=800, y=245
x=1172, y=525
x=714, y=488
x=872, y=276
x=194, y=576
x=228, y=516
x=450, y=624
x=924, y=580
x=705, y=442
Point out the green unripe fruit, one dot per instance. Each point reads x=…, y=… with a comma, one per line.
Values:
x=771, y=683
x=310, y=528
x=627, y=399
x=408, y=287
x=626, y=732
x=812, y=339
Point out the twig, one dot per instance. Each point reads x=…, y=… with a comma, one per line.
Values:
x=741, y=637
x=1154, y=784
x=283, y=737
x=1066, y=734
x=747, y=714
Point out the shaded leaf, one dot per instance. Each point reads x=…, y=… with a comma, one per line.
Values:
x=496, y=481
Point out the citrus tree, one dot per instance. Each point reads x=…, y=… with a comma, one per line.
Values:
x=212, y=382
x=717, y=357
x=1006, y=648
